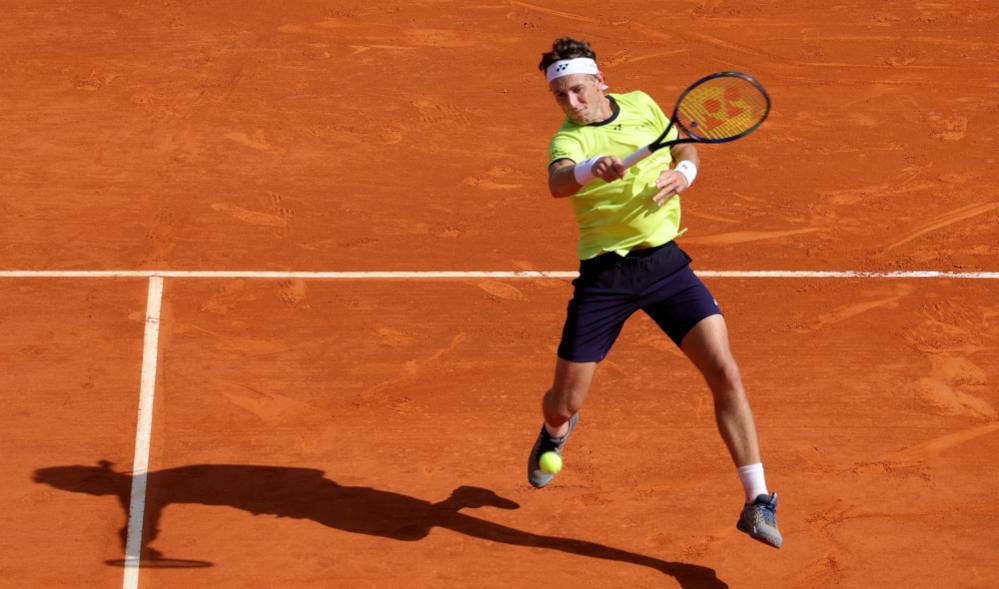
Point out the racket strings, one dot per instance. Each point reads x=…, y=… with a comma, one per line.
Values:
x=722, y=108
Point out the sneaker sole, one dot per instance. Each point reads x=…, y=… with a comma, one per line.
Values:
x=751, y=532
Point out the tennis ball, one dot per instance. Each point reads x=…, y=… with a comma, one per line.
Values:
x=550, y=462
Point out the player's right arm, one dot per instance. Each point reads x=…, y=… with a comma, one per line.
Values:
x=566, y=178
x=561, y=181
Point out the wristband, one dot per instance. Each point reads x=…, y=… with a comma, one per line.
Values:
x=583, y=172
x=688, y=169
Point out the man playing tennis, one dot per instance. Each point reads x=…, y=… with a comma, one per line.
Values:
x=628, y=221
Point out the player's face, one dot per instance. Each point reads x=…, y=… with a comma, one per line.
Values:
x=580, y=98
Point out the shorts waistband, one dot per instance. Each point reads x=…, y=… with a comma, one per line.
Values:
x=648, y=251
x=611, y=257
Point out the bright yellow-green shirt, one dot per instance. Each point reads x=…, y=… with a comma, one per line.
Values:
x=620, y=216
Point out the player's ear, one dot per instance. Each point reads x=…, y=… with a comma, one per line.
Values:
x=601, y=83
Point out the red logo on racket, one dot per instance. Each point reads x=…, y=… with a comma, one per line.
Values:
x=723, y=107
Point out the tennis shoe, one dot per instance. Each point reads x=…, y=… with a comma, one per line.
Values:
x=759, y=520
x=545, y=443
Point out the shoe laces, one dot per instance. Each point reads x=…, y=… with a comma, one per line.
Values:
x=766, y=511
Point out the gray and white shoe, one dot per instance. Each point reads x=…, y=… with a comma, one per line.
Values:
x=759, y=520
x=545, y=443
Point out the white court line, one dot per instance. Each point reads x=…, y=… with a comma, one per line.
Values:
x=434, y=275
x=143, y=433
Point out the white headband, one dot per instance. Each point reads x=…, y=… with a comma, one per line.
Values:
x=566, y=67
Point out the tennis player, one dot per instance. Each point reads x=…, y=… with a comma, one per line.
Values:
x=629, y=260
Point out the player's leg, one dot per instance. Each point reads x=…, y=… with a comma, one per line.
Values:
x=707, y=346
x=599, y=307
x=684, y=308
x=561, y=405
x=565, y=398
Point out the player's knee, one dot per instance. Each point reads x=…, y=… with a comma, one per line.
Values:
x=571, y=407
x=724, y=377
x=567, y=409
x=564, y=403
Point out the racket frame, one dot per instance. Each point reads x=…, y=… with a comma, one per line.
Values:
x=656, y=145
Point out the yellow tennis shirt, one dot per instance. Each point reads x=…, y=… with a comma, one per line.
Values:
x=620, y=216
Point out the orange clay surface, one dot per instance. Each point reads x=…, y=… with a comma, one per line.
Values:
x=374, y=433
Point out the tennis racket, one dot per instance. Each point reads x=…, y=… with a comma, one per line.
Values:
x=715, y=109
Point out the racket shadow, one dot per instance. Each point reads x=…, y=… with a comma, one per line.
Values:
x=303, y=493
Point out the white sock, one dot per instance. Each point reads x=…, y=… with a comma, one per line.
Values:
x=753, y=481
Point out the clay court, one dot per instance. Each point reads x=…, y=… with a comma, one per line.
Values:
x=295, y=267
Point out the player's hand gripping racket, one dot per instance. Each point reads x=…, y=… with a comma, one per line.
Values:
x=715, y=109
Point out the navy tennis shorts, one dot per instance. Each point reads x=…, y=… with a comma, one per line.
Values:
x=610, y=288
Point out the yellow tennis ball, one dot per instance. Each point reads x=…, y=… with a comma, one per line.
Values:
x=550, y=462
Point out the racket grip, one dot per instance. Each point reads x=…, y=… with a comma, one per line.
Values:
x=636, y=157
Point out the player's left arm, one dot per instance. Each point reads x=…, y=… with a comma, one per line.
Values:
x=677, y=179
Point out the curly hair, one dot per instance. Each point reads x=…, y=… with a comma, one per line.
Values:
x=566, y=48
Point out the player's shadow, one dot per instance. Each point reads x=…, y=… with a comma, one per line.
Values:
x=304, y=493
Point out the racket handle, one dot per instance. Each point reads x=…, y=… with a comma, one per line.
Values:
x=636, y=157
